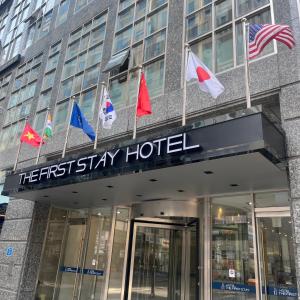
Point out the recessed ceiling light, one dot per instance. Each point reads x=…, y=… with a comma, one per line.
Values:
x=110, y=186
x=104, y=199
x=234, y=185
x=208, y=172
x=180, y=191
x=75, y=202
x=152, y=179
x=118, y=212
x=249, y=203
x=74, y=192
x=46, y=196
x=139, y=195
x=99, y=214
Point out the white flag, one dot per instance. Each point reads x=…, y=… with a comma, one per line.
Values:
x=107, y=113
x=208, y=83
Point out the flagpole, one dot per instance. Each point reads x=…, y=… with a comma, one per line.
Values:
x=186, y=55
x=137, y=100
x=43, y=132
x=68, y=128
x=103, y=84
x=19, y=147
x=246, y=60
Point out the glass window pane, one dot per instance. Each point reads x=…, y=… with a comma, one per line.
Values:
x=243, y=7
x=224, y=50
x=69, y=68
x=44, y=100
x=136, y=56
x=153, y=4
x=84, y=43
x=97, y=35
x=52, y=62
x=39, y=122
x=94, y=55
x=223, y=12
x=125, y=3
x=199, y=23
x=262, y=18
x=203, y=50
x=155, y=45
x=73, y=49
x=66, y=88
x=48, y=80
x=278, y=199
x=154, y=75
x=60, y=116
x=138, y=31
x=125, y=18
x=77, y=84
x=192, y=5
x=81, y=62
x=157, y=21
x=140, y=9
x=62, y=12
x=90, y=77
x=80, y=4
x=232, y=248
x=122, y=40
x=118, y=91
x=87, y=103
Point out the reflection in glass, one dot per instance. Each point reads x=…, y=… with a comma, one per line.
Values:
x=192, y=5
x=199, y=23
x=233, y=274
x=157, y=264
x=277, y=258
x=223, y=12
x=224, y=50
x=154, y=75
x=245, y=6
x=203, y=50
x=155, y=45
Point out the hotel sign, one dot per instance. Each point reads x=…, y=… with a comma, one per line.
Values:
x=160, y=147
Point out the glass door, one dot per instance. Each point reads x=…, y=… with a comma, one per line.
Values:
x=161, y=263
x=276, y=255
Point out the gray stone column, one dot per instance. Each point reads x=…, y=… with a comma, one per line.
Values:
x=24, y=230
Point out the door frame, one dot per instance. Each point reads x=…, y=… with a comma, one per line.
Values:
x=164, y=224
x=266, y=212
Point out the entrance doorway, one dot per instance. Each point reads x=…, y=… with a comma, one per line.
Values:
x=164, y=262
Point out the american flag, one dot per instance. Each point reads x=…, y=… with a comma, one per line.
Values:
x=260, y=35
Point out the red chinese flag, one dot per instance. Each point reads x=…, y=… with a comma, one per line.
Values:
x=31, y=137
x=144, y=105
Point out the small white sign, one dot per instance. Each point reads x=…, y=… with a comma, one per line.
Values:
x=231, y=273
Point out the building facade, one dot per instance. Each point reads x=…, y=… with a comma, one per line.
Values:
x=209, y=210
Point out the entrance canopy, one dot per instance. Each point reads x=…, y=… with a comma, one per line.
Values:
x=242, y=154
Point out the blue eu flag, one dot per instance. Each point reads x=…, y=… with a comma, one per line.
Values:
x=78, y=120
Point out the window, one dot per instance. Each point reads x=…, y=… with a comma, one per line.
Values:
x=80, y=4
x=39, y=122
x=62, y=12
x=218, y=22
x=23, y=90
x=9, y=135
x=145, y=37
x=4, y=86
x=60, y=116
x=49, y=77
x=12, y=44
x=81, y=69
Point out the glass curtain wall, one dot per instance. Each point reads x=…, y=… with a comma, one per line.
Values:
x=141, y=27
x=214, y=29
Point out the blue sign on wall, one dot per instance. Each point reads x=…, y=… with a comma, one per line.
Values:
x=93, y=272
x=9, y=251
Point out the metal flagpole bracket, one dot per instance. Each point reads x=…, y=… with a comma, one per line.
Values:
x=103, y=85
x=139, y=69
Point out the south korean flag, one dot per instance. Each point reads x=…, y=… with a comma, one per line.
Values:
x=107, y=113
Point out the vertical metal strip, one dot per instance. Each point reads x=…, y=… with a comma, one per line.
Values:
x=207, y=250
x=62, y=246
x=125, y=257
x=183, y=265
x=109, y=253
x=256, y=247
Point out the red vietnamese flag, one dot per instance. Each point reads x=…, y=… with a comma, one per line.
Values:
x=143, y=105
x=30, y=137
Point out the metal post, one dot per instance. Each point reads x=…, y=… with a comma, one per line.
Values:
x=103, y=84
x=246, y=60
x=19, y=148
x=43, y=132
x=137, y=100
x=186, y=56
x=68, y=128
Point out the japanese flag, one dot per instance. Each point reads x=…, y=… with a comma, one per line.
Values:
x=208, y=83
